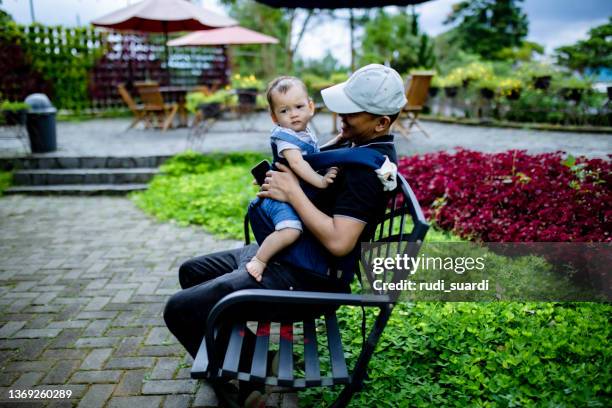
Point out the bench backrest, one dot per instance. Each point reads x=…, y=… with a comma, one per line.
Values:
x=400, y=232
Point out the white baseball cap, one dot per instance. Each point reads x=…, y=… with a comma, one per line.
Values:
x=374, y=89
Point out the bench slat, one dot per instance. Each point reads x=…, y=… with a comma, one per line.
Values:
x=334, y=341
x=311, y=354
x=200, y=365
x=234, y=346
x=285, y=364
x=260, y=355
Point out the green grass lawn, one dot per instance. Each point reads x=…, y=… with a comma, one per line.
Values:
x=432, y=353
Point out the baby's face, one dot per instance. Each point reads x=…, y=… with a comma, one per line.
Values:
x=292, y=109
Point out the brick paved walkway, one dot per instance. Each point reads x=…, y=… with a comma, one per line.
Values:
x=83, y=282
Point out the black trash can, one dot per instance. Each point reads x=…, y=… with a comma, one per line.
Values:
x=40, y=123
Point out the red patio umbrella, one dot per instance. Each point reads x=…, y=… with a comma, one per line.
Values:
x=163, y=16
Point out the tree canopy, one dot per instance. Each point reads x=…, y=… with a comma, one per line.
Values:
x=486, y=26
x=396, y=39
x=594, y=52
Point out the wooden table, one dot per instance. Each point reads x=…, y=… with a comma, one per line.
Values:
x=178, y=95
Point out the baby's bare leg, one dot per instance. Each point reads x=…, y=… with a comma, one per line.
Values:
x=273, y=244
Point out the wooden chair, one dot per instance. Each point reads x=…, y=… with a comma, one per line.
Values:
x=137, y=110
x=154, y=105
x=218, y=358
x=416, y=93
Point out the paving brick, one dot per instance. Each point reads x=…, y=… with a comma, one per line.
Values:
x=29, y=366
x=99, y=342
x=35, y=333
x=7, y=378
x=27, y=380
x=97, y=328
x=159, y=351
x=178, y=401
x=66, y=339
x=129, y=363
x=136, y=402
x=70, y=324
x=126, y=331
x=131, y=383
x=64, y=354
x=10, y=328
x=96, y=358
x=165, y=368
x=60, y=373
x=92, y=377
x=129, y=346
x=157, y=336
x=97, y=315
x=96, y=304
x=45, y=298
x=96, y=396
x=169, y=387
x=205, y=396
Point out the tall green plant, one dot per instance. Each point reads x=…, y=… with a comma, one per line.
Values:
x=396, y=38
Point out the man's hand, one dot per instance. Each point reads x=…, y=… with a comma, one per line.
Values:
x=280, y=185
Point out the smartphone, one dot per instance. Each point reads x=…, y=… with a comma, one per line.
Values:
x=259, y=171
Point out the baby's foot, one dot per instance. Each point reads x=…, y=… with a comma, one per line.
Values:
x=256, y=267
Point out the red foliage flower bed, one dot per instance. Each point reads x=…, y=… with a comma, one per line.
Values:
x=513, y=196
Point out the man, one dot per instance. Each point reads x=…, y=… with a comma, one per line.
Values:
x=335, y=221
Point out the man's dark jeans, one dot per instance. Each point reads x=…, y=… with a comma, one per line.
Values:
x=207, y=279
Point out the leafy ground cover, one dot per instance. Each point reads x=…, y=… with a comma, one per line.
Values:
x=513, y=196
x=212, y=191
x=433, y=353
x=6, y=178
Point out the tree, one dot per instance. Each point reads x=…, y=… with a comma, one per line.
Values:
x=487, y=26
x=594, y=52
x=396, y=39
x=287, y=25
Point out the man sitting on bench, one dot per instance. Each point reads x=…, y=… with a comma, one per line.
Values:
x=335, y=221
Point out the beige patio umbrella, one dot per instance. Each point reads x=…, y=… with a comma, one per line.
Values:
x=163, y=16
x=235, y=35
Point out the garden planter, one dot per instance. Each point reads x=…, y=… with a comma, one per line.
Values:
x=487, y=93
x=247, y=96
x=451, y=91
x=433, y=91
x=210, y=110
x=572, y=94
x=542, y=82
x=514, y=95
x=12, y=118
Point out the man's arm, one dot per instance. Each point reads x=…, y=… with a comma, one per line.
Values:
x=338, y=234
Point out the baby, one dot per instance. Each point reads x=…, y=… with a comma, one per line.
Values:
x=291, y=109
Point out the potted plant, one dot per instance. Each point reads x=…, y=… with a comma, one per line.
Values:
x=246, y=87
x=450, y=83
x=510, y=88
x=209, y=104
x=434, y=86
x=14, y=112
x=572, y=88
x=487, y=86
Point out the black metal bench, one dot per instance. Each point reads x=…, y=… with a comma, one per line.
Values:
x=403, y=223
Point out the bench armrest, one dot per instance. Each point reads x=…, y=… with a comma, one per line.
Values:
x=294, y=297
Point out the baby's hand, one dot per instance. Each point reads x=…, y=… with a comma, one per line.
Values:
x=329, y=177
